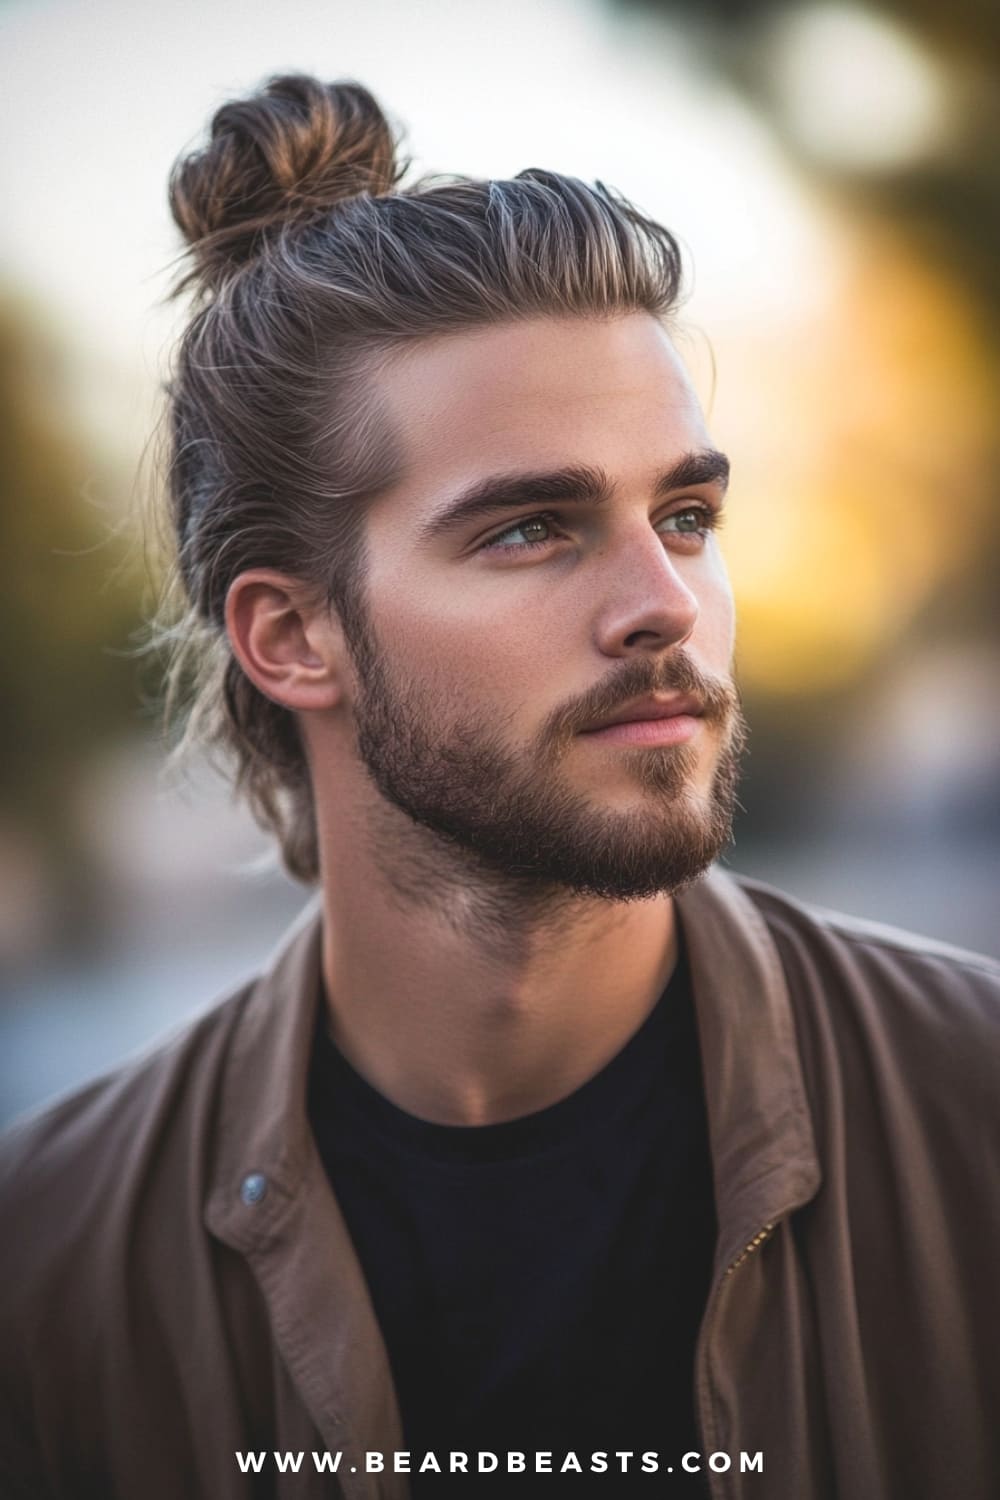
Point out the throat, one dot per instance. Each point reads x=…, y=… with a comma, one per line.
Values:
x=455, y=1026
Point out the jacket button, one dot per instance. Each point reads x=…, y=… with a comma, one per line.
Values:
x=253, y=1188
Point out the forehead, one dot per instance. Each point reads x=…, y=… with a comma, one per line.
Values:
x=537, y=394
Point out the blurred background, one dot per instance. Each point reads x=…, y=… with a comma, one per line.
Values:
x=832, y=170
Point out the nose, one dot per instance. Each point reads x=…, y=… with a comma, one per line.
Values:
x=646, y=604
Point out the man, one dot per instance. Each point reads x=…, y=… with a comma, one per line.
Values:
x=544, y=1154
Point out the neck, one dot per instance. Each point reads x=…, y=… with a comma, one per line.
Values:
x=467, y=997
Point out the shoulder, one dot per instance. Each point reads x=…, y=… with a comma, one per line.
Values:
x=99, y=1196
x=893, y=1002
x=892, y=957
x=79, y=1164
x=115, y=1177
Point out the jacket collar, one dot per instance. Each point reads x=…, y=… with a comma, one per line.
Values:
x=760, y=1129
x=764, y=1158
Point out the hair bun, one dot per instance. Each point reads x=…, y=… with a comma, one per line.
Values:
x=285, y=154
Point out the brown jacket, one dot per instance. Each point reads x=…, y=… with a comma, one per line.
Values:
x=178, y=1285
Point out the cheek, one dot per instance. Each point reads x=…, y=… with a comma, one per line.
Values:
x=462, y=650
x=715, y=631
x=488, y=655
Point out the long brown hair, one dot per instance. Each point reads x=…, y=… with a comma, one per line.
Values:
x=309, y=266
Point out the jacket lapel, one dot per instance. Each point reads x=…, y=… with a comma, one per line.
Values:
x=291, y=1230
x=764, y=1158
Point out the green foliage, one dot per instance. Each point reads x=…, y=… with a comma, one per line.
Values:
x=71, y=589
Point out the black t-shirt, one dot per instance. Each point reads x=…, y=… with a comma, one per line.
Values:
x=539, y=1283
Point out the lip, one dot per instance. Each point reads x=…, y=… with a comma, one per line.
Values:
x=650, y=721
x=642, y=710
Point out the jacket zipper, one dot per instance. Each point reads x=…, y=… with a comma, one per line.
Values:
x=758, y=1239
x=716, y=1481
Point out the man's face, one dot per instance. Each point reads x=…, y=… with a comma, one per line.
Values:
x=503, y=631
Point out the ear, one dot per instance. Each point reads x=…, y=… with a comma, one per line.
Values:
x=293, y=651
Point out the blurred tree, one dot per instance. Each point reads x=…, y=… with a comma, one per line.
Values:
x=942, y=198
x=69, y=602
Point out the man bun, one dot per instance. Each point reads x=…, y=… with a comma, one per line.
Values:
x=284, y=155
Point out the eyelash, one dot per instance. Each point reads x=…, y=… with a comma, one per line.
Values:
x=711, y=520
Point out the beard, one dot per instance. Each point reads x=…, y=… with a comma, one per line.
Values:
x=512, y=811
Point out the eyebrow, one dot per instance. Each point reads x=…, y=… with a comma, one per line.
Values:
x=574, y=484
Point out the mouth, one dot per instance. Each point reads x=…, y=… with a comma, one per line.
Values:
x=650, y=721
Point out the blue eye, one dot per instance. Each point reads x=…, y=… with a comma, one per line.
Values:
x=529, y=529
x=697, y=520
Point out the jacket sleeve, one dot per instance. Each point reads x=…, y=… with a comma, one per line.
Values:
x=22, y=1475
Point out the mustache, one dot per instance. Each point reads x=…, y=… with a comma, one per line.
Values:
x=718, y=698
